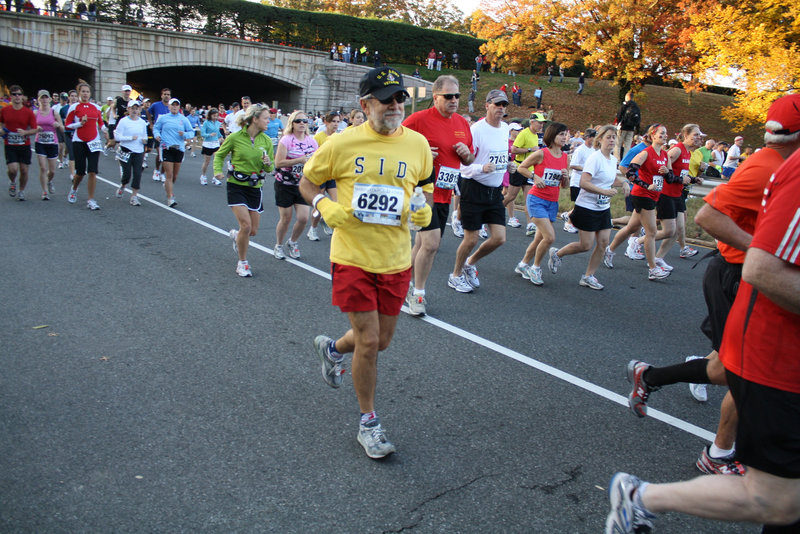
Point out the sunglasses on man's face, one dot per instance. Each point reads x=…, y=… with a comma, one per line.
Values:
x=397, y=97
x=501, y=104
x=300, y=121
x=450, y=96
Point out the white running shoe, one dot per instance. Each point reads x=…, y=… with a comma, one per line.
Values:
x=72, y=197
x=243, y=269
x=698, y=391
x=171, y=202
x=203, y=180
x=135, y=201
x=459, y=283
x=92, y=204
x=590, y=281
x=458, y=230
x=632, y=251
x=312, y=234
x=215, y=181
x=483, y=233
x=163, y=177
x=120, y=191
x=535, y=275
x=523, y=270
x=470, y=273
x=530, y=229
x=664, y=265
x=293, y=250
x=553, y=261
x=608, y=258
x=156, y=176
x=688, y=252
x=513, y=222
x=657, y=273
x=279, y=253
x=234, y=234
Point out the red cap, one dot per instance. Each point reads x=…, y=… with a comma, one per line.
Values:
x=783, y=116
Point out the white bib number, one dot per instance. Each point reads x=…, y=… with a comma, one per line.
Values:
x=500, y=159
x=378, y=204
x=15, y=138
x=46, y=138
x=123, y=156
x=297, y=171
x=658, y=182
x=95, y=146
x=603, y=201
x=447, y=178
x=552, y=177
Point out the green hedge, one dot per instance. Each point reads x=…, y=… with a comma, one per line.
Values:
x=397, y=42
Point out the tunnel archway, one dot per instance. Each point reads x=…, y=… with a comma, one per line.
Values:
x=33, y=71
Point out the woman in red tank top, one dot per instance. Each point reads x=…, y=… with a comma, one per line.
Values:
x=651, y=165
x=550, y=174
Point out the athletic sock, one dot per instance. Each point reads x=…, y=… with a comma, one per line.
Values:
x=419, y=292
x=691, y=372
x=716, y=452
x=367, y=417
x=335, y=353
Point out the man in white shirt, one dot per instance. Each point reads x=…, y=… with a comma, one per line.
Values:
x=482, y=192
x=734, y=155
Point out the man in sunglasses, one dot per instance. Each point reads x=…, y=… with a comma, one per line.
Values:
x=376, y=168
x=17, y=122
x=482, y=193
x=450, y=139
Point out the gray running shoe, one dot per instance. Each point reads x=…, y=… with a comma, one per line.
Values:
x=312, y=234
x=553, y=261
x=627, y=515
x=530, y=229
x=332, y=367
x=278, y=252
x=590, y=281
x=294, y=250
x=373, y=439
x=458, y=230
x=523, y=270
x=135, y=201
x=471, y=275
x=21, y=195
x=92, y=204
x=535, y=275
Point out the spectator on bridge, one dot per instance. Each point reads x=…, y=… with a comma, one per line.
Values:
x=139, y=17
x=28, y=7
x=53, y=11
x=66, y=9
x=92, y=11
x=81, y=10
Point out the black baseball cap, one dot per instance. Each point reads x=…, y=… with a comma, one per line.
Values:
x=381, y=83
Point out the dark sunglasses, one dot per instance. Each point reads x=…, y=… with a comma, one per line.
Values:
x=501, y=104
x=298, y=121
x=16, y=94
x=397, y=97
x=450, y=96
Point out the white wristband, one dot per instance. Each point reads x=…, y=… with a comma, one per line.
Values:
x=317, y=199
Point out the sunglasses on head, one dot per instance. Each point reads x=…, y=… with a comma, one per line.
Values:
x=450, y=96
x=299, y=121
x=397, y=97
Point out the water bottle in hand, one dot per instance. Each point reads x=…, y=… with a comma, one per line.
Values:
x=417, y=202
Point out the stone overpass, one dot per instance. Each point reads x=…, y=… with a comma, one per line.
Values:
x=114, y=54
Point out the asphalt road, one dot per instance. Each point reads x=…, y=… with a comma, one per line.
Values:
x=147, y=388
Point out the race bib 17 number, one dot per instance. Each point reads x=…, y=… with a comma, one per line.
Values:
x=552, y=177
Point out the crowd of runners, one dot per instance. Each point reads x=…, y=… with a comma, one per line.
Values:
x=354, y=175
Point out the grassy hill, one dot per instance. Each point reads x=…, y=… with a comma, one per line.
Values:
x=598, y=104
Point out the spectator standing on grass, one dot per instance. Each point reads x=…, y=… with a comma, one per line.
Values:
x=431, y=59
x=560, y=74
x=629, y=118
x=581, y=81
x=516, y=94
x=455, y=60
x=538, y=94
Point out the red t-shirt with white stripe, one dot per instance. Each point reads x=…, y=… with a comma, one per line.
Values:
x=762, y=340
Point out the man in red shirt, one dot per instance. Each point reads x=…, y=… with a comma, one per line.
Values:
x=450, y=139
x=729, y=216
x=759, y=352
x=17, y=122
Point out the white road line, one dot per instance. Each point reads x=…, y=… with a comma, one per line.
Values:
x=680, y=424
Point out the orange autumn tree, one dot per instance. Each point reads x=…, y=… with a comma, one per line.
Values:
x=626, y=41
x=757, y=44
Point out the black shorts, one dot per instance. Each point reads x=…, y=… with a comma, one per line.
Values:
x=768, y=432
x=244, y=195
x=666, y=208
x=50, y=151
x=68, y=142
x=441, y=210
x=481, y=204
x=574, y=192
x=172, y=155
x=111, y=128
x=208, y=151
x=287, y=196
x=720, y=284
x=642, y=203
x=590, y=220
x=680, y=204
x=84, y=158
x=517, y=180
x=18, y=154
x=629, y=203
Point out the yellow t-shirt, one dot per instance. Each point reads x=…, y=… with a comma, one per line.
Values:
x=381, y=173
x=526, y=139
x=321, y=136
